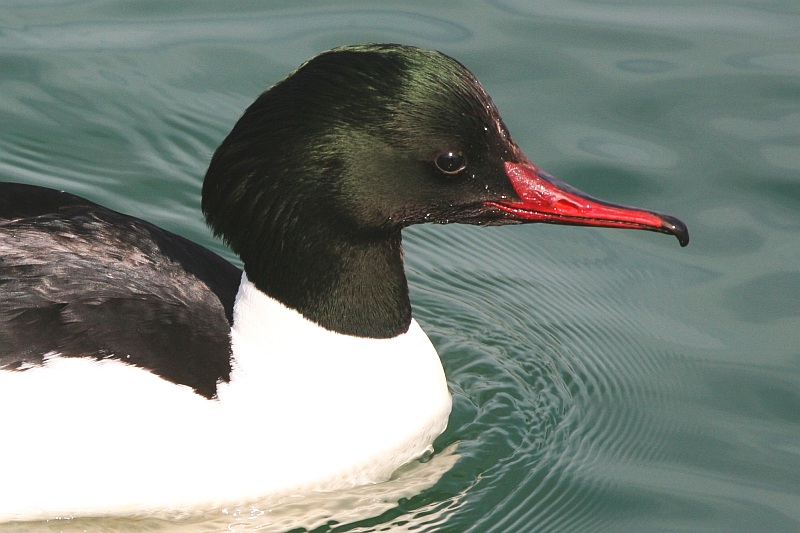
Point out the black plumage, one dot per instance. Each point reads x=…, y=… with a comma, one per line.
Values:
x=81, y=280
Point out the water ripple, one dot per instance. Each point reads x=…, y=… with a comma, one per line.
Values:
x=88, y=35
x=706, y=17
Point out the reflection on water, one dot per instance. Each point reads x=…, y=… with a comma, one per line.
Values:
x=602, y=380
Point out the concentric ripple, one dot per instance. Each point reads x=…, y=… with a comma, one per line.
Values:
x=554, y=370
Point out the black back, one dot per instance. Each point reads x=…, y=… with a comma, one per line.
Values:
x=81, y=280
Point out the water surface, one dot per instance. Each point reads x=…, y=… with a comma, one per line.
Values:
x=603, y=380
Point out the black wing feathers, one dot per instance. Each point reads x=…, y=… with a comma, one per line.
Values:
x=80, y=280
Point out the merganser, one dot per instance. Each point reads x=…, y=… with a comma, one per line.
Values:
x=140, y=372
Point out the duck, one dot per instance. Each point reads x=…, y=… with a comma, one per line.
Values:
x=143, y=373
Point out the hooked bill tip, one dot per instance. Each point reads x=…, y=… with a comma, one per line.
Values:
x=676, y=227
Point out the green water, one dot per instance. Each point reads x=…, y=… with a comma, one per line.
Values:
x=603, y=380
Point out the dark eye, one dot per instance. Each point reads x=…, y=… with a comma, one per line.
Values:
x=450, y=162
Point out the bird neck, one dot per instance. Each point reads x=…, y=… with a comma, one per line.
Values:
x=354, y=286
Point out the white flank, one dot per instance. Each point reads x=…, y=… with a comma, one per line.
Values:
x=306, y=409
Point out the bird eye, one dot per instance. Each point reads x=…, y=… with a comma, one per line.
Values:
x=450, y=162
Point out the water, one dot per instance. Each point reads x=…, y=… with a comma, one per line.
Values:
x=603, y=380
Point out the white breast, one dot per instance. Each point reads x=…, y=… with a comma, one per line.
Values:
x=350, y=409
x=305, y=409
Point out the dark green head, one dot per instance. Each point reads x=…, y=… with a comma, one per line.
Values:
x=357, y=132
